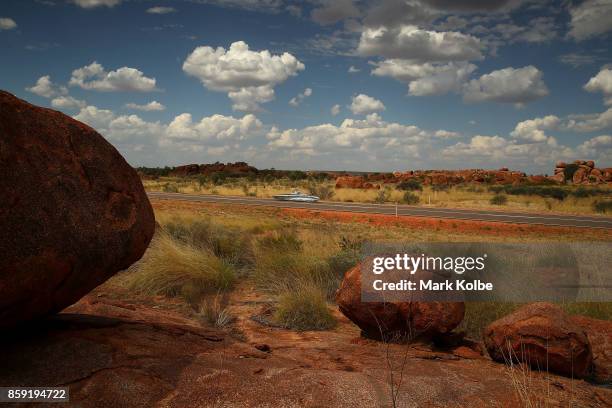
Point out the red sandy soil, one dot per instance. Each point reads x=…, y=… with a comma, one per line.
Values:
x=116, y=350
x=424, y=223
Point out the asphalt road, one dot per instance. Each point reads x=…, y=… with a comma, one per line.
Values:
x=401, y=210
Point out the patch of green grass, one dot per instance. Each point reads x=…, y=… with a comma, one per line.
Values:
x=304, y=308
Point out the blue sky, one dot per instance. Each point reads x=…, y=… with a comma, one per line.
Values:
x=344, y=85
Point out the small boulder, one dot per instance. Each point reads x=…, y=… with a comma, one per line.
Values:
x=542, y=336
x=73, y=211
x=389, y=319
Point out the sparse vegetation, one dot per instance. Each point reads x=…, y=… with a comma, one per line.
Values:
x=602, y=207
x=538, y=198
x=200, y=257
x=499, y=199
x=410, y=185
x=410, y=198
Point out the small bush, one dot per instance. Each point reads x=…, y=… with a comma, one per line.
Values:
x=382, y=196
x=499, y=199
x=304, y=308
x=410, y=198
x=410, y=185
x=324, y=192
x=602, y=207
x=170, y=188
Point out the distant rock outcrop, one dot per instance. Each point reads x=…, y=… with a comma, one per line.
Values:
x=73, y=211
x=581, y=172
x=354, y=182
x=238, y=168
x=388, y=319
x=542, y=336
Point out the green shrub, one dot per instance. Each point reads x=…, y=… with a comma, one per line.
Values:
x=324, y=192
x=499, y=199
x=382, y=196
x=410, y=185
x=304, y=308
x=410, y=198
x=582, y=192
x=603, y=207
x=542, y=191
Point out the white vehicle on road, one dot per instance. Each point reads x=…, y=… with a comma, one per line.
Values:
x=297, y=196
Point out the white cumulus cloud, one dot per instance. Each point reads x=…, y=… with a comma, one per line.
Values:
x=363, y=104
x=147, y=107
x=335, y=110
x=297, y=100
x=46, y=88
x=602, y=82
x=426, y=78
x=590, y=122
x=508, y=85
x=95, y=77
x=247, y=76
x=590, y=18
x=533, y=129
x=7, y=23
x=67, y=102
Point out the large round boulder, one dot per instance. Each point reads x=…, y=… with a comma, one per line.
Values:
x=73, y=212
x=396, y=319
x=542, y=336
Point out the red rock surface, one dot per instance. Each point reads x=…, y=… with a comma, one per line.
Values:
x=115, y=350
x=599, y=333
x=543, y=336
x=73, y=211
x=378, y=319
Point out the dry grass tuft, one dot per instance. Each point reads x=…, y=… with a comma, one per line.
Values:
x=174, y=268
x=304, y=308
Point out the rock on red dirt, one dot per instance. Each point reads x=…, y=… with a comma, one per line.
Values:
x=599, y=333
x=73, y=211
x=378, y=319
x=543, y=336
